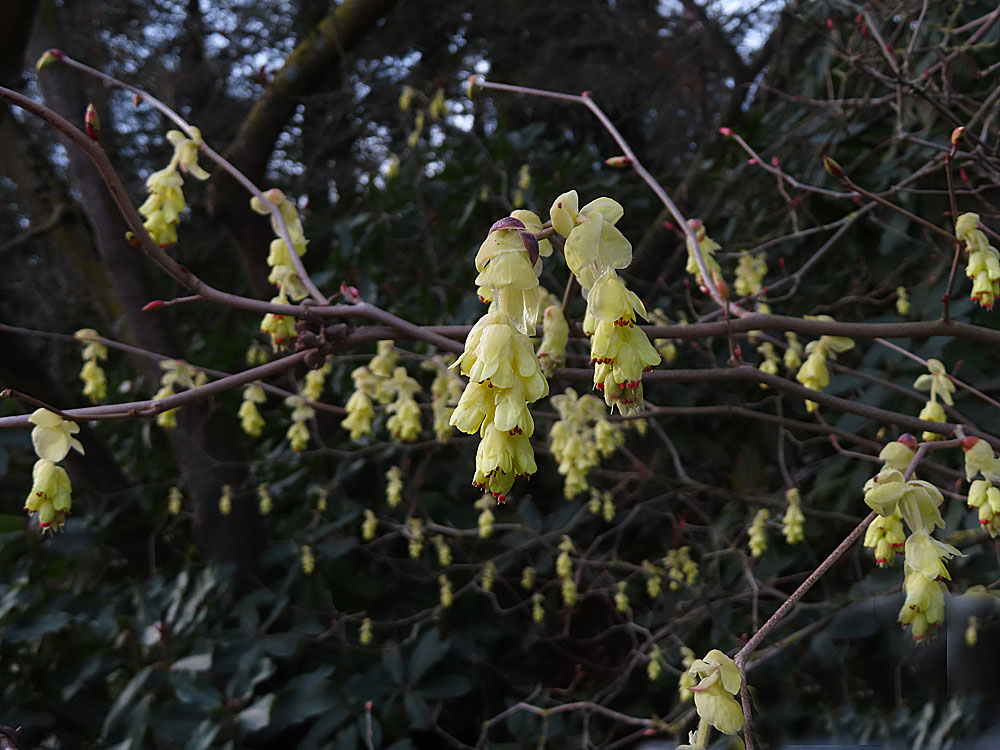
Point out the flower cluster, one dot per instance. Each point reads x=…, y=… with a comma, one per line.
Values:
x=250, y=419
x=885, y=535
x=51, y=493
x=312, y=388
x=564, y=571
x=95, y=384
x=580, y=438
x=404, y=422
x=983, y=266
x=750, y=273
x=603, y=504
x=983, y=493
x=714, y=694
x=555, y=336
x=265, y=504
x=226, y=500
x=393, y=486
x=794, y=352
x=706, y=247
x=793, y=522
x=298, y=433
x=939, y=384
x=503, y=371
x=594, y=249
x=902, y=301
x=446, y=390
x=414, y=531
x=486, y=516
x=814, y=373
x=176, y=373
x=175, y=499
x=680, y=568
x=915, y=502
x=163, y=207
x=758, y=533
x=360, y=408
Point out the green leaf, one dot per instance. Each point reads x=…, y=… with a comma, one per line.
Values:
x=203, y=735
x=428, y=652
x=193, y=663
x=195, y=690
x=125, y=700
x=258, y=715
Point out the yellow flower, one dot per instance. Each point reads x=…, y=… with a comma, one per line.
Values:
x=50, y=496
x=250, y=419
x=979, y=458
x=886, y=537
x=937, y=381
x=793, y=521
x=758, y=533
x=932, y=412
x=52, y=436
x=713, y=695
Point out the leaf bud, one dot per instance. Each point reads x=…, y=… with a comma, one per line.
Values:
x=92, y=123
x=833, y=168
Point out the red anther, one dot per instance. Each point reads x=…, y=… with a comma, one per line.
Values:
x=501, y=499
x=152, y=305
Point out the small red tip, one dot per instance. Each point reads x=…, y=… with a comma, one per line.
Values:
x=152, y=305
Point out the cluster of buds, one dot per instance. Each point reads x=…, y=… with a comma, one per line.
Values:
x=445, y=594
x=654, y=665
x=687, y=678
x=916, y=502
x=939, y=384
x=415, y=537
x=443, y=551
x=307, y=560
x=681, y=569
x=793, y=522
x=621, y=596
x=265, y=504
x=163, y=207
x=312, y=388
x=503, y=371
x=175, y=500
x=226, y=500
x=176, y=373
x=250, y=419
x=594, y=249
x=758, y=533
x=603, y=504
x=51, y=494
x=902, y=301
x=369, y=526
x=581, y=436
x=654, y=579
x=706, y=247
x=95, y=384
x=983, y=493
x=446, y=390
x=983, y=266
x=814, y=373
x=793, y=353
x=298, y=432
x=486, y=517
x=768, y=360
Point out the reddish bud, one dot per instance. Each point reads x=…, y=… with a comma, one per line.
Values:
x=908, y=440
x=781, y=262
x=48, y=58
x=833, y=168
x=132, y=239
x=963, y=175
x=152, y=305
x=618, y=161
x=957, y=135
x=585, y=94
x=136, y=100
x=726, y=132
x=889, y=48
x=508, y=222
x=92, y=123
x=751, y=162
x=829, y=24
x=774, y=162
x=350, y=293
x=969, y=442
x=669, y=225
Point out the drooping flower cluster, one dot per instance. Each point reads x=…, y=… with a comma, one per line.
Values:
x=298, y=432
x=681, y=569
x=814, y=373
x=163, y=207
x=758, y=533
x=555, y=336
x=404, y=422
x=885, y=535
x=594, y=249
x=750, y=273
x=983, y=493
x=360, y=408
x=983, y=266
x=916, y=502
x=176, y=374
x=315, y=380
x=564, y=571
x=95, y=384
x=503, y=371
x=393, y=486
x=51, y=491
x=707, y=247
x=793, y=522
x=446, y=390
x=226, y=500
x=902, y=301
x=794, y=352
x=939, y=385
x=281, y=328
x=265, y=503
x=714, y=694
x=580, y=438
x=250, y=419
